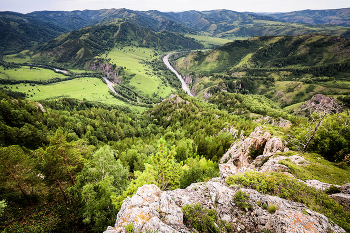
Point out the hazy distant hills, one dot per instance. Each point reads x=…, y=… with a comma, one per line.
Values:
x=23, y=31
x=73, y=20
x=334, y=16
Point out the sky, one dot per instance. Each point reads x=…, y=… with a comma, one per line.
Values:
x=26, y=6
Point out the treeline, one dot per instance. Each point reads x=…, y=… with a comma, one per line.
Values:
x=58, y=151
x=245, y=104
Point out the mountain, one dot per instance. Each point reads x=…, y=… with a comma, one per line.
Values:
x=73, y=20
x=84, y=44
x=272, y=52
x=19, y=32
x=286, y=69
x=339, y=17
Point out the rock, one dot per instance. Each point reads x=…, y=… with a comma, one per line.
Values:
x=175, y=99
x=319, y=185
x=160, y=211
x=228, y=169
x=146, y=209
x=342, y=198
x=238, y=154
x=272, y=146
x=273, y=163
x=345, y=188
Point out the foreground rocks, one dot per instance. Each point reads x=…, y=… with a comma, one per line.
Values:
x=153, y=210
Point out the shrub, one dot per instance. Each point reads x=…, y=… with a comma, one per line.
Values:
x=201, y=219
x=272, y=208
x=333, y=189
x=241, y=199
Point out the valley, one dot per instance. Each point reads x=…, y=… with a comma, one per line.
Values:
x=118, y=120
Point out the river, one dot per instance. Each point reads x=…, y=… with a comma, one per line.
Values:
x=184, y=85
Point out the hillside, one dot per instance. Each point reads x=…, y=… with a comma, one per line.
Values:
x=19, y=32
x=73, y=20
x=82, y=45
x=296, y=67
x=332, y=16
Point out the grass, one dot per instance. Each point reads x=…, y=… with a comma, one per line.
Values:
x=318, y=169
x=209, y=41
x=18, y=58
x=25, y=73
x=92, y=89
x=144, y=79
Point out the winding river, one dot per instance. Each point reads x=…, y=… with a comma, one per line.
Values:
x=184, y=85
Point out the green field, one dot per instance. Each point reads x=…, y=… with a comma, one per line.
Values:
x=210, y=41
x=26, y=73
x=143, y=80
x=92, y=89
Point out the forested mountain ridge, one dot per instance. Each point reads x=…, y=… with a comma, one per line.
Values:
x=84, y=44
x=331, y=16
x=19, y=32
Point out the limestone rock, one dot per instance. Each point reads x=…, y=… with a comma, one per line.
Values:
x=146, y=209
x=273, y=163
x=342, y=198
x=238, y=154
x=159, y=211
x=345, y=188
x=272, y=146
x=319, y=185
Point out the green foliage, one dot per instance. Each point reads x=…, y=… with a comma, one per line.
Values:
x=2, y=206
x=198, y=170
x=332, y=140
x=101, y=178
x=271, y=208
x=318, y=168
x=333, y=189
x=241, y=198
x=199, y=218
x=278, y=184
x=17, y=170
x=129, y=228
x=167, y=170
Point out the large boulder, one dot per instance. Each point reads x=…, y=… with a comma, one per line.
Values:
x=155, y=210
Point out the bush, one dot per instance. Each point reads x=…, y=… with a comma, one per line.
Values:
x=272, y=208
x=241, y=199
x=333, y=189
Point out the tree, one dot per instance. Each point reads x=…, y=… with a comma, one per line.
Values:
x=316, y=109
x=61, y=161
x=2, y=206
x=16, y=168
x=101, y=179
x=167, y=170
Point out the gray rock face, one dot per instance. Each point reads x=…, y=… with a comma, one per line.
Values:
x=342, y=198
x=345, y=188
x=161, y=211
x=319, y=185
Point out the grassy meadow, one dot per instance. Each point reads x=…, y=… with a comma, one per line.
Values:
x=27, y=73
x=143, y=77
x=92, y=89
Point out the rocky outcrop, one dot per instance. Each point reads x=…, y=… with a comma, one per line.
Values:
x=153, y=210
x=175, y=99
x=188, y=79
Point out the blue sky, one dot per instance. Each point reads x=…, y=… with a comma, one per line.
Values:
x=25, y=6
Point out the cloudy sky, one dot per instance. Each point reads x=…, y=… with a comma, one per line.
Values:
x=25, y=6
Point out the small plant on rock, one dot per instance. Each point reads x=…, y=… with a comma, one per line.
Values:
x=241, y=199
x=333, y=189
x=272, y=208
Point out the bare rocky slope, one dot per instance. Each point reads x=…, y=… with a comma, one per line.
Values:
x=151, y=209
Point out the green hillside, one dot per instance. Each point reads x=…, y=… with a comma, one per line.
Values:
x=82, y=45
x=339, y=17
x=19, y=32
x=295, y=67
